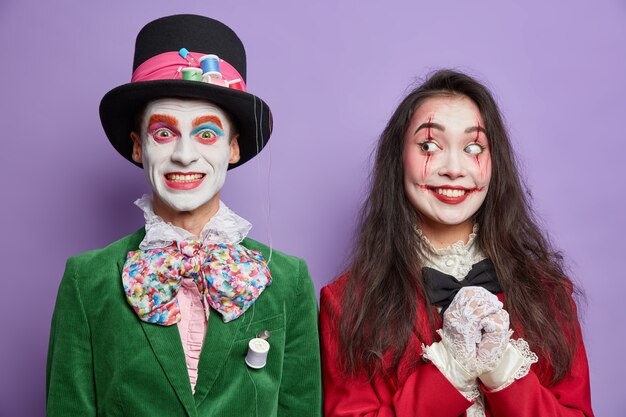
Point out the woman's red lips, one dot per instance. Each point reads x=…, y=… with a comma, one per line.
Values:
x=451, y=194
x=183, y=180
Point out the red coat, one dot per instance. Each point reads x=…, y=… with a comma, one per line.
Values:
x=419, y=389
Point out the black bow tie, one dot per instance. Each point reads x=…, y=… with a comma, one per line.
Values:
x=442, y=288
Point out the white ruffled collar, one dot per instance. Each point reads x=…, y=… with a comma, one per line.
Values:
x=456, y=259
x=224, y=227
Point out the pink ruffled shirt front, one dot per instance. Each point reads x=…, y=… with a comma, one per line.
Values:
x=192, y=326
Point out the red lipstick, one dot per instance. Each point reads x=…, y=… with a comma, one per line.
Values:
x=178, y=184
x=448, y=199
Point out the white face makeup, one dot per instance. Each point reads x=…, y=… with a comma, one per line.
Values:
x=185, y=151
x=447, y=163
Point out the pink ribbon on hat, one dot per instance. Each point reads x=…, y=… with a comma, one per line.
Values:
x=167, y=65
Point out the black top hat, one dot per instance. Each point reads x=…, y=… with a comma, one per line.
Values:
x=157, y=47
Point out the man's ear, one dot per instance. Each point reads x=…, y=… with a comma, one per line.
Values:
x=137, y=151
x=234, y=150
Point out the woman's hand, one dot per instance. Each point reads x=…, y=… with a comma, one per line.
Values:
x=495, y=338
x=473, y=329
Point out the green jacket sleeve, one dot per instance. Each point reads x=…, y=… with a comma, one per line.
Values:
x=300, y=389
x=70, y=389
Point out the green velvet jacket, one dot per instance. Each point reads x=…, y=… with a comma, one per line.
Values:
x=104, y=361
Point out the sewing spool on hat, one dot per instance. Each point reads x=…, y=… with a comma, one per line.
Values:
x=210, y=65
x=192, y=74
x=163, y=48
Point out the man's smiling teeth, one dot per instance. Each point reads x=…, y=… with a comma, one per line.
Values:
x=184, y=177
x=450, y=192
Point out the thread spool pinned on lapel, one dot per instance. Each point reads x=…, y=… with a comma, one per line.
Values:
x=258, y=349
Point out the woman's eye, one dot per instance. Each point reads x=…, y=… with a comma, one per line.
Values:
x=428, y=146
x=474, y=148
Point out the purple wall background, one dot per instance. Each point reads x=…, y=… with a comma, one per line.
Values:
x=332, y=73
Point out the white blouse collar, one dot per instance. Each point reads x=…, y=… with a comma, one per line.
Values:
x=456, y=259
x=224, y=227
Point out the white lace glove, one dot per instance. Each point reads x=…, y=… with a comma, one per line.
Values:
x=495, y=338
x=472, y=309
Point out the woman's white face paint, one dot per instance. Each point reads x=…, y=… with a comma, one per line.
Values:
x=185, y=151
x=447, y=163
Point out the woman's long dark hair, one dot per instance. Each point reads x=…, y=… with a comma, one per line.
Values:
x=384, y=288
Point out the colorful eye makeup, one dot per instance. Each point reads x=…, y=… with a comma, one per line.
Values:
x=207, y=132
x=185, y=151
x=162, y=132
x=164, y=128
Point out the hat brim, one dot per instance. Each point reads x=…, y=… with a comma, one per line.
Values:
x=119, y=108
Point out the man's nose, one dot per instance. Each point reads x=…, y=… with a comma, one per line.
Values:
x=185, y=152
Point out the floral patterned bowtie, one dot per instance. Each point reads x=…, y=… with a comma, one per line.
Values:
x=229, y=278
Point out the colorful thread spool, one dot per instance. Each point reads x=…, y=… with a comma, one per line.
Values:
x=257, y=353
x=211, y=78
x=235, y=84
x=211, y=65
x=192, y=74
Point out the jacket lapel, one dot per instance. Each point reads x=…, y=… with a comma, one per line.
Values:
x=166, y=345
x=215, y=351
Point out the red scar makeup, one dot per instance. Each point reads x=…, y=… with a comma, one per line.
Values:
x=446, y=177
x=482, y=174
x=430, y=119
